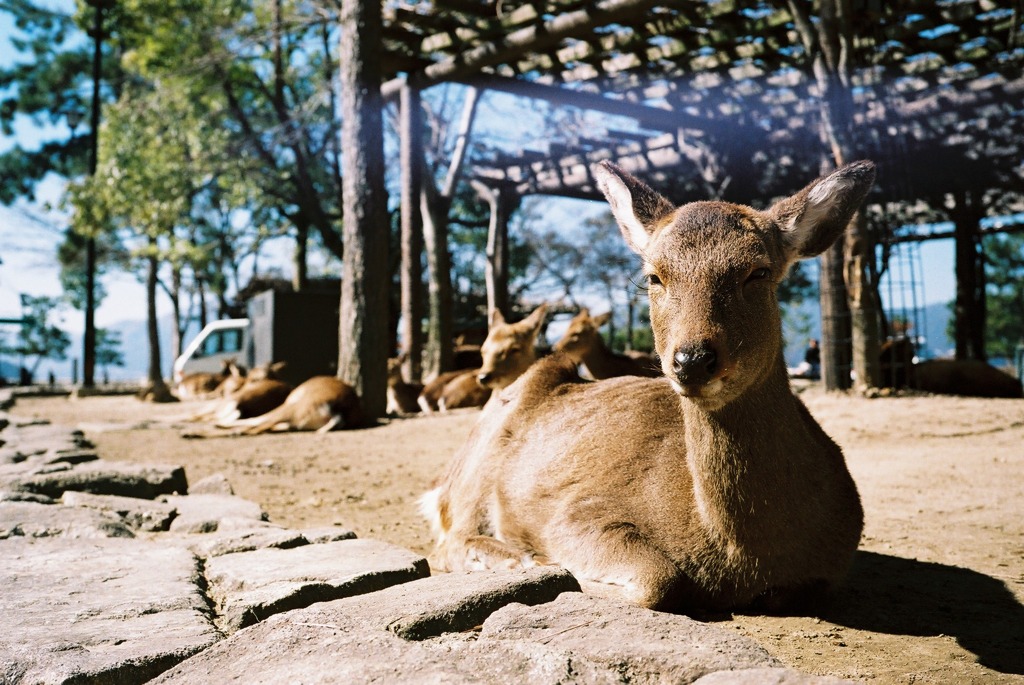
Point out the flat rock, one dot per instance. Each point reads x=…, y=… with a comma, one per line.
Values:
x=259, y=536
x=103, y=477
x=250, y=586
x=36, y=520
x=768, y=676
x=207, y=513
x=138, y=514
x=215, y=484
x=352, y=640
x=498, y=627
x=601, y=637
x=98, y=611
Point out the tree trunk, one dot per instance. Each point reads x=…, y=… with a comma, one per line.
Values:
x=969, y=308
x=412, y=232
x=501, y=201
x=362, y=358
x=300, y=280
x=157, y=388
x=830, y=41
x=835, y=320
x=434, y=211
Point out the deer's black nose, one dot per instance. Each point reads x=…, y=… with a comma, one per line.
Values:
x=695, y=364
x=483, y=378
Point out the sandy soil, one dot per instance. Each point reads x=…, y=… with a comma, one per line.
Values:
x=936, y=594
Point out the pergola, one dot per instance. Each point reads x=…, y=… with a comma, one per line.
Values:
x=724, y=101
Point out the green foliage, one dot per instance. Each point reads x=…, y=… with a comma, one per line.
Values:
x=39, y=337
x=108, y=348
x=1004, y=272
x=49, y=84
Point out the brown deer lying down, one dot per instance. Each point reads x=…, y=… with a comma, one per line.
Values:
x=969, y=377
x=402, y=396
x=507, y=352
x=710, y=488
x=583, y=343
x=261, y=392
x=204, y=384
x=321, y=404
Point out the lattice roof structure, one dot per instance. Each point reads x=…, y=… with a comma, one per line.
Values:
x=722, y=92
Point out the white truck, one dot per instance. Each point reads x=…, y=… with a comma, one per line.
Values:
x=300, y=329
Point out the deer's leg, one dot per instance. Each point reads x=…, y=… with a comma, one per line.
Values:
x=626, y=565
x=337, y=421
x=484, y=552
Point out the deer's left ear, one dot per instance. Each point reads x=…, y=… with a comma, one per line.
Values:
x=637, y=208
x=814, y=218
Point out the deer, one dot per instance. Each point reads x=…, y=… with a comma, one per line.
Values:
x=321, y=404
x=261, y=391
x=204, y=384
x=507, y=351
x=402, y=396
x=582, y=342
x=710, y=488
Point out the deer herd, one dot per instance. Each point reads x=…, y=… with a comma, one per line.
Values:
x=689, y=481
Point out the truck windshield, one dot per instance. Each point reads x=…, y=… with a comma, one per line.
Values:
x=228, y=340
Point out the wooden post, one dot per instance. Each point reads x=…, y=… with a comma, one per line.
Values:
x=410, y=133
x=969, y=308
x=363, y=330
x=501, y=203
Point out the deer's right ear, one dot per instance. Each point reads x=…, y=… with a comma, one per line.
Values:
x=815, y=217
x=636, y=207
x=496, y=318
x=601, y=319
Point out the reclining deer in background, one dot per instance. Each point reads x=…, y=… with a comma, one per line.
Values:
x=261, y=391
x=321, y=404
x=508, y=351
x=583, y=343
x=710, y=488
x=203, y=384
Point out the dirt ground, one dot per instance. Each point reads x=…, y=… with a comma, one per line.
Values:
x=936, y=594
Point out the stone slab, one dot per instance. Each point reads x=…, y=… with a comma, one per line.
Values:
x=498, y=627
x=205, y=513
x=138, y=514
x=98, y=611
x=103, y=477
x=36, y=520
x=250, y=586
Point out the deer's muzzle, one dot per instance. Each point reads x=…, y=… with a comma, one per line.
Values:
x=695, y=364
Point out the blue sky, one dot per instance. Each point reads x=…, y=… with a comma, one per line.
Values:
x=28, y=247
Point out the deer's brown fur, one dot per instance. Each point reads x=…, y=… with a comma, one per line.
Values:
x=709, y=488
x=322, y=404
x=582, y=342
x=402, y=395
x=203, y=384
x=507, y=352
x=261, y=391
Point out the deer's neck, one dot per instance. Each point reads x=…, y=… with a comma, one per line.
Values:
x=598, y=359
x=743, y=455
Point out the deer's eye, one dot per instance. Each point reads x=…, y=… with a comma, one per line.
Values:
x=762, y=274
x=652, y=279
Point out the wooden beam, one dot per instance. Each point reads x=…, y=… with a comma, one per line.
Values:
x=529, y=39
x=649, y=117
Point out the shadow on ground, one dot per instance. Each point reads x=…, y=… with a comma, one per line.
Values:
x=893, y=595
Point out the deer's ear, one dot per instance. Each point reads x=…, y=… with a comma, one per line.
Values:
x=637, y=208
x=534, y=321
x=496, y=318
x=812, y=219
x=601, y=319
